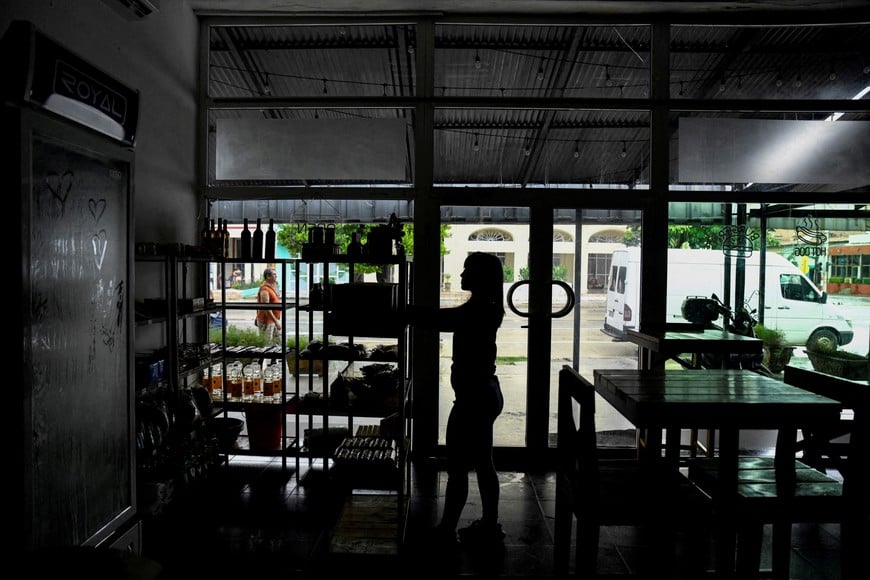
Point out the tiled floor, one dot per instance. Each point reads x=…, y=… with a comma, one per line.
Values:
x=253, y=520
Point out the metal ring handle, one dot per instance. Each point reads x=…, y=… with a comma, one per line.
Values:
x=569, y=305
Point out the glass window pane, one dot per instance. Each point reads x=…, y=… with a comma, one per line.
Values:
x=768, y=62
x=727, y=151
x=304, y=147
x=541, y=148
x=794, y=258
x=311, y=61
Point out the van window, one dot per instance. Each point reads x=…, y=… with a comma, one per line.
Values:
x=620, y=280
x=795, y=287
x=614, y=273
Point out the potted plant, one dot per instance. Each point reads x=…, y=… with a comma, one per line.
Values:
x=776, y=353
x=446, y=281
x=840, y=363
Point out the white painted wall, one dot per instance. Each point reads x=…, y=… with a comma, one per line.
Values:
x=157, y=56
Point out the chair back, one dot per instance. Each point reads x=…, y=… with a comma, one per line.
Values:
x=577, y=448
x=856, y=397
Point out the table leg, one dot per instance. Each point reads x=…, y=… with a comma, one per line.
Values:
x=726, y=529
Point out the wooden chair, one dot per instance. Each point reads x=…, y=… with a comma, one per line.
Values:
x=825, y=449
x=601, y=492
x=781, y=497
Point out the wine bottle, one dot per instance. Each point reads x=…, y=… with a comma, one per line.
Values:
x=246, y=241
x=225, y=239
x=213, y=240
x=257, y=245
x=204, y=236
x=270, y=241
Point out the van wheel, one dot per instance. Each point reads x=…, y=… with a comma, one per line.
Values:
x=823, y=340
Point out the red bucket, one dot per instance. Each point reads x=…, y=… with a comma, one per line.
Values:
x=264, y=426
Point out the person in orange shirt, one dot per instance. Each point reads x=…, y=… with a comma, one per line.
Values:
x=269, y=321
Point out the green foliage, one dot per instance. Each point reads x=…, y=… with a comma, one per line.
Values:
x=771, y=337
x=508, y=273
x=865, y=280
x=237, y=336
x=247, y=337
x=292, y=236
x=835, y=279
x=696, y=237
x=243, y=285
x=559, y=273
x=631, y=236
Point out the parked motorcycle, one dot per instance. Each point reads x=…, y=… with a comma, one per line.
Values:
x=704, y=312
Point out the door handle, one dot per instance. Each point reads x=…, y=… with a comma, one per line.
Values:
x=569, y=304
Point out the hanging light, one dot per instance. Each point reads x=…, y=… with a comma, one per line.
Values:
x=722, y=85
x=682, y=92
x=577, y=149
x=541, y=73
x=528, y=150
x=324, y=86
x=477, y=63
x=778, y=80
x=624, y=153
x=607, y=80
x=797, y=81
x=476, y=146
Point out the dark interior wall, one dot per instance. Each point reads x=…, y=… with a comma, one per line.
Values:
x=156, y=55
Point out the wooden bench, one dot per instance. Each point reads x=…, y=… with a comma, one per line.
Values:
x=769, y=493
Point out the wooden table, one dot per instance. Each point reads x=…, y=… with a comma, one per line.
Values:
x=727, y=400
x=657, y=347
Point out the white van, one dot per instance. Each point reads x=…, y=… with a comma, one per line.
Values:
x=792, y=303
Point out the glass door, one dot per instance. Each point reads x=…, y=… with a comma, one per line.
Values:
x=557, y=266
x=586, y=252
x=504, y=232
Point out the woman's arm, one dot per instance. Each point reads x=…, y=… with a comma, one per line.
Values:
x=446, y=319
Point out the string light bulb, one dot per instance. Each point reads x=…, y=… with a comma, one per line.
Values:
x=778, y=80
x=576, y=149
x=476, y=146
x=528, y=150
x=607, y=80
x=477, y=63
x=540, y=73
x=624, y=153
x=798, y=81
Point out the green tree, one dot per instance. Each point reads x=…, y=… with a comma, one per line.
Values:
x=293, y=236
x=698, y=237
x=508, y=273
x=559, y=273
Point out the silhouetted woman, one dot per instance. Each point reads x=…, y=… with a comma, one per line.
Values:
x=477, y=397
